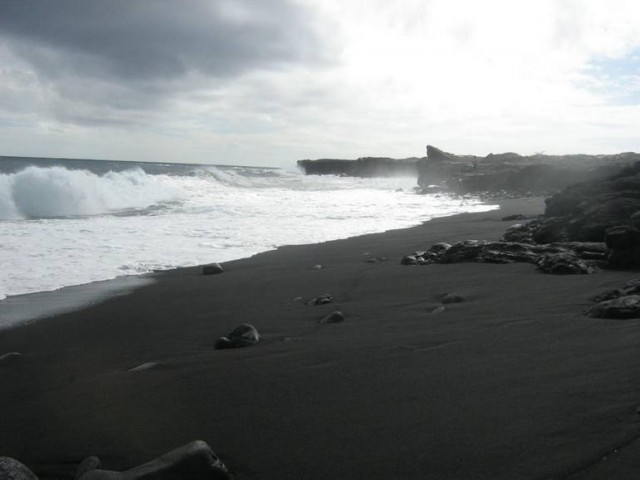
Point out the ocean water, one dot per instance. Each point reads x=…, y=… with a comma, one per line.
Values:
x=66, y=223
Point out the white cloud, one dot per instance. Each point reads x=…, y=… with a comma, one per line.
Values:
x=465, y=75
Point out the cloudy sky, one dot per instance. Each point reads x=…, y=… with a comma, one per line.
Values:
x=267, y=82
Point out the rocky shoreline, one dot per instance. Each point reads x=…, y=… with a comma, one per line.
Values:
x=504, y=174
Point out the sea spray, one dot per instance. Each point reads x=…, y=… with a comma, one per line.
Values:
x=58, y=192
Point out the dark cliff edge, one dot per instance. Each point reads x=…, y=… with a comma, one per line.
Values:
x=362, y=167
x=511, y=173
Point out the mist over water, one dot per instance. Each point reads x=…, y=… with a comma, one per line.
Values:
x=61, y=226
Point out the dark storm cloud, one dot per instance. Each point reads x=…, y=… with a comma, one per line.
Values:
x=142, y=39
x=148, y=47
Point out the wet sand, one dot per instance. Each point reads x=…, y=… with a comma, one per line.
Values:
x=512, y=383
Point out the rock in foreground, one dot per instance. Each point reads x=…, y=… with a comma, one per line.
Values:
x=194, y=461
x=618, y=308
x=11, y=469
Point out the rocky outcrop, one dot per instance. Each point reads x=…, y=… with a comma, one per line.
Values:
x=194, y=461
x=510, y=173
x=566, y=258
x=362, y=167
x=606, y=211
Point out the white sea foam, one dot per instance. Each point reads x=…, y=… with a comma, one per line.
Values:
x=57, y=192
x=66, y=227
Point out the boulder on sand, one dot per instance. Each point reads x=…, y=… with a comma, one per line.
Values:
x=333, y=317
x=12, y=469
x=244, y=335
x=194, y=461
x=618, y=308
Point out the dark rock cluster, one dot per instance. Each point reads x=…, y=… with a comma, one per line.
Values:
x=567, y=258
x=194, y=461
x=605, y=211
x=620, y=303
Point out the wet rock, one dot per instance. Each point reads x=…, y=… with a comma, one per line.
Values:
x=466, y=251
x=12, y=469
x=244, y=335
x=564, y=264
x=212, y=269
x=321, y=300
x=618, y=308
x=508, y=252
x=438, y=248
x=87, y=465
x=194, y=461
x=409, y=260
x=333, y=317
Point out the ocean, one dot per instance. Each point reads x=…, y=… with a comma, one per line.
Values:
x=73, y=222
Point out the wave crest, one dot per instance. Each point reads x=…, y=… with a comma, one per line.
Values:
x=37, y=192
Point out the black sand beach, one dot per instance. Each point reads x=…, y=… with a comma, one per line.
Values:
x=515, y=382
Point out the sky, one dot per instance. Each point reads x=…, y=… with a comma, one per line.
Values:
x=269, y=82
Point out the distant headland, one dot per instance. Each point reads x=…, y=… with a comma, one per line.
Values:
x=509, y=172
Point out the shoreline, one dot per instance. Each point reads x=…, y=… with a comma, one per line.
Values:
x=513, y=382
x=34, y=306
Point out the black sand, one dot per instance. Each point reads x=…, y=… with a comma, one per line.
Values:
x=513, y=383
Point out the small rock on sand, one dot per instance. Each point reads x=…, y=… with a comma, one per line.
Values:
x=333, y=317
x=321, y=300
x=212, y=269
x=244, y=335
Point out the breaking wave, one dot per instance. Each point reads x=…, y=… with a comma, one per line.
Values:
x=37, y=192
